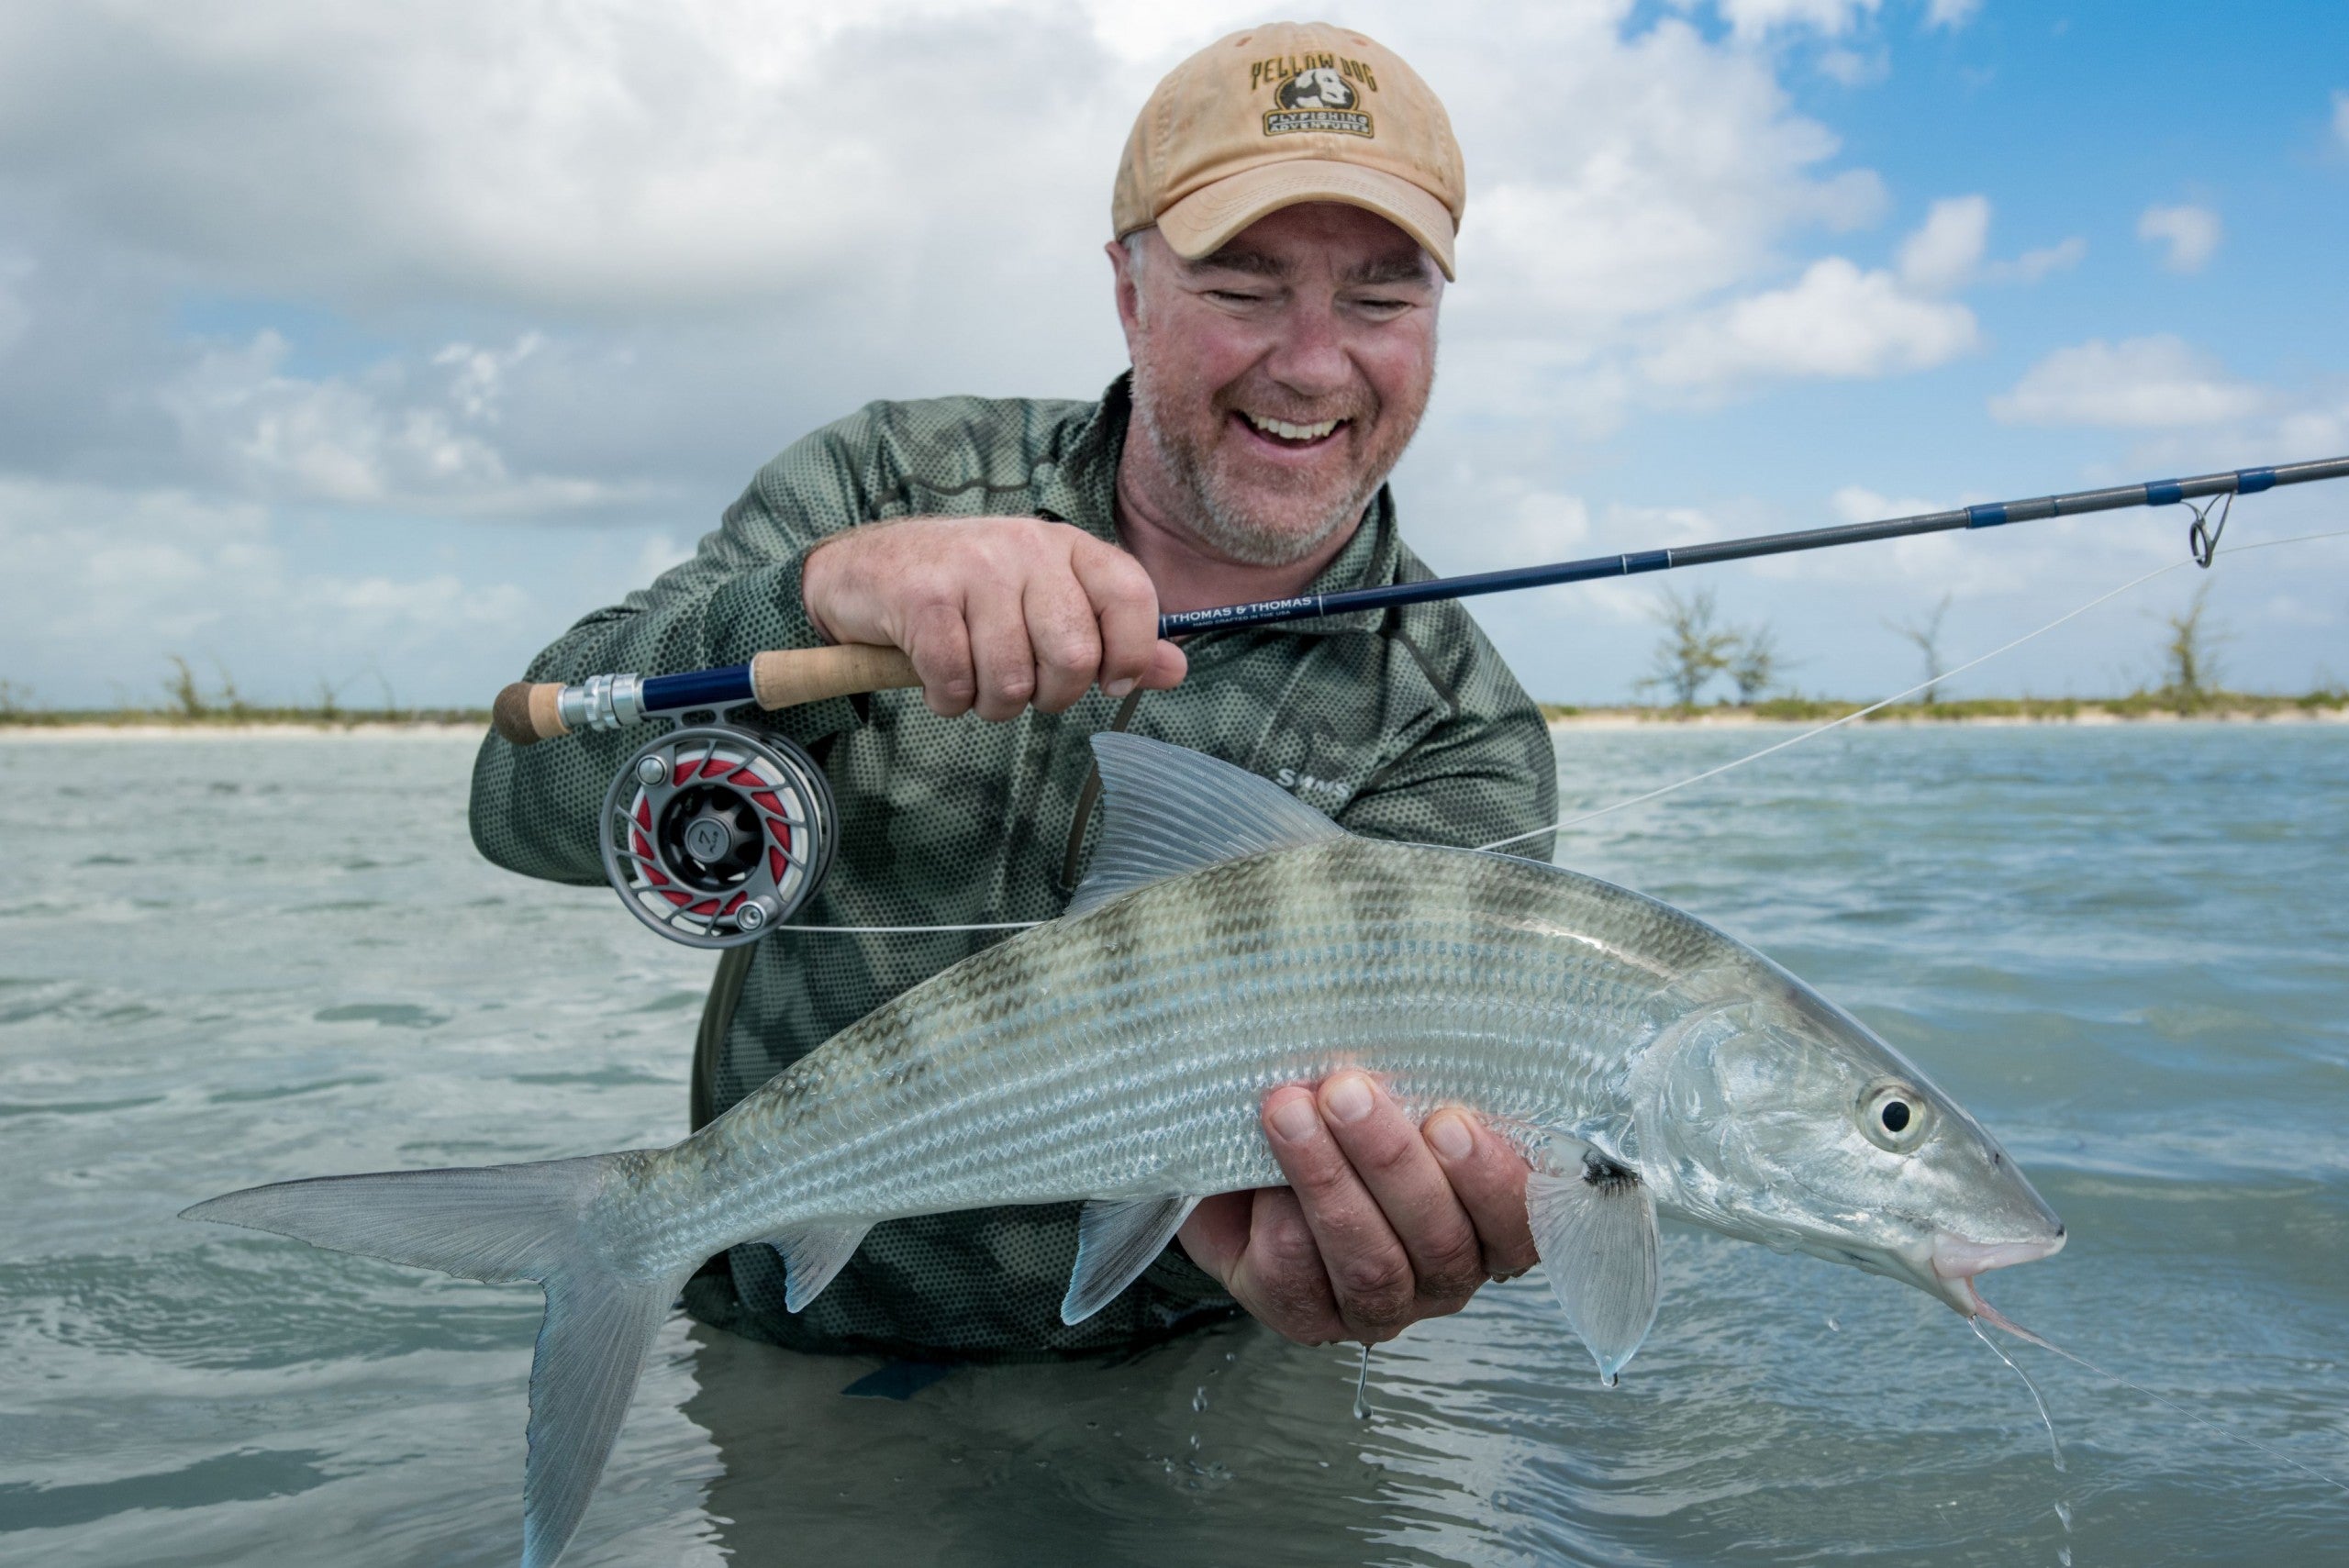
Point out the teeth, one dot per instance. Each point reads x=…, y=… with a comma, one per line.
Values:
x=1289, y=432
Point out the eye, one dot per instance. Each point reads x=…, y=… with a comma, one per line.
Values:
x=1895, y=1116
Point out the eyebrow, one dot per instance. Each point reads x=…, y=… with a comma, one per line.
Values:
x=1395, y=267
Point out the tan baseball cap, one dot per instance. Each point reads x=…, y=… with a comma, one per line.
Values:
x=1287, y=113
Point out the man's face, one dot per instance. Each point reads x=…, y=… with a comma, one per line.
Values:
x=1280, y=378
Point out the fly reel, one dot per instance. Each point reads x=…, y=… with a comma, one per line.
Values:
x=712, y=834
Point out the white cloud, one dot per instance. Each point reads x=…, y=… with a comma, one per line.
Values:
x=2190, y=233
x=105, y=582
x=1857, y=504
x=369, y=441
x=1947, y=250
x=2153, y=382
x=2033, y=265
x=1950, y=13
x=1751, y=19
x=1836, y=321
x=14, y=314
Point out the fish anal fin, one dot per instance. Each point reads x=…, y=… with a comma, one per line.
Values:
x=1595, y=1230
x=1167, y=810
x=1116, y=1239
x=812, y=1255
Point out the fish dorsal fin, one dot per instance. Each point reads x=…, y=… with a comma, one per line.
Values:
x=1595, y=1230
x=1167, y=810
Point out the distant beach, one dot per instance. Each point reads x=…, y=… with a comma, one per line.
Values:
x=2230, y=707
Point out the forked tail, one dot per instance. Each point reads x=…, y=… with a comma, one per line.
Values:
x=505, y=1223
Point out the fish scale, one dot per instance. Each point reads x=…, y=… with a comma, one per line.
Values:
x=1230, y=939
x=1119, y=1053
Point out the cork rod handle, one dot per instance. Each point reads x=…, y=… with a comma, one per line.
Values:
x=526, y=713
x=789, y=677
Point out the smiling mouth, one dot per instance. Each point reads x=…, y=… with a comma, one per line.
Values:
x=1287, y=435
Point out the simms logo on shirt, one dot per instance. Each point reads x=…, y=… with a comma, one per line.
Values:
x=1316, y=91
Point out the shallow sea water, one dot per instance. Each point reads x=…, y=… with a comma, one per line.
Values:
x=228, y=960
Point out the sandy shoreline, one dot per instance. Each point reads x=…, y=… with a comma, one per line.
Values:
x=1594, y=718
x=9, y=732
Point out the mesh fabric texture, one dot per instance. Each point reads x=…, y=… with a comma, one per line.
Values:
x=1400, y=724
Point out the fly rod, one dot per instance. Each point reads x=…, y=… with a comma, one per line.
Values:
x=526, y=713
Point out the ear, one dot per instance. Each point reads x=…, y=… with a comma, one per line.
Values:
x=1128, y=290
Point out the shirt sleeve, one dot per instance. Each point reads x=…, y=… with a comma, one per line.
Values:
x=534, y=807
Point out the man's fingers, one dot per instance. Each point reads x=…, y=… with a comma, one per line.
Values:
x=1000, y=652
x=1280, y=1279
x=1125, y=607
x=939, y=645
x=1066, y=636
x=1168, y=665
x=1488, y=1176
x=1369, y=1271
x=1403, y=1176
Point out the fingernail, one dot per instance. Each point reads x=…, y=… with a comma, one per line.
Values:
x=1294, y=1119
x=1447, y=1130
x=1348, y=1096
x=1120, y=688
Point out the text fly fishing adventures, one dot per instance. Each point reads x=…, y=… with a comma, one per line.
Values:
x=1226, y=940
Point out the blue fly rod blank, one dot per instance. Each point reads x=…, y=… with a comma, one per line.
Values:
x=2158, y=493
x=525, y=713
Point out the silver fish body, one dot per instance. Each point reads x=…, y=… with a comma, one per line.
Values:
x=1228, y=941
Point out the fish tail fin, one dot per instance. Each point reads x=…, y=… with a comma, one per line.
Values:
x=505, y=1223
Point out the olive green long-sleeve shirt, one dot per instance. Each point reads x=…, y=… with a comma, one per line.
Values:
x=1398, y=724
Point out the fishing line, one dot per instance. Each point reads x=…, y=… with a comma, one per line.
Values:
x=2044, y=1419
x=1896, y=696
x=2025, y=1335
x=1708, y=774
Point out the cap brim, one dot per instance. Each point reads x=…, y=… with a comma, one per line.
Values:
x=1202, y=221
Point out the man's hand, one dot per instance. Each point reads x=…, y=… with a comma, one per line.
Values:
x=1382, y=1224
x=995, y=612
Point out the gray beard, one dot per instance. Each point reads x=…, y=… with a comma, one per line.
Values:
x=1221, y=522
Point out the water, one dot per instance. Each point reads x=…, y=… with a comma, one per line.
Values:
x=238, y=959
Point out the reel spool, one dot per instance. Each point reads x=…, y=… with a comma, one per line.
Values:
x=712, y=834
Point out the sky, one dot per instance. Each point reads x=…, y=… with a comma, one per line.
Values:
x=364, y=348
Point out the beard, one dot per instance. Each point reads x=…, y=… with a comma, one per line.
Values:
x=1255, y=524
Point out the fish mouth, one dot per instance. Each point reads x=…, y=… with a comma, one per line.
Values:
x=1957, y=1262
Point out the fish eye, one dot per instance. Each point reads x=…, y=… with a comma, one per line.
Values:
x=1895, y=1116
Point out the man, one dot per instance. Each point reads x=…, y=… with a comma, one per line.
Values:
x=1283, y=226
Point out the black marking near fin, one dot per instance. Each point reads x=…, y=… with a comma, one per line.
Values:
x=1596, y=1233
x=1167, y=810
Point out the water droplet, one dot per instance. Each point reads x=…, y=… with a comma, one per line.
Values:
x=2063, y=1512
x=1362, y=1386
x=1832, y=1323
x=1199, y=1399
x=2064, y=1556
x=1195, y=1441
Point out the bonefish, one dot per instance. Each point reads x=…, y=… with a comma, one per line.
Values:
x=1227, y=940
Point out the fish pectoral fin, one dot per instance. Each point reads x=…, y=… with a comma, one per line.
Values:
x=811, y=1256
x=1596, y=1232
x=1116, y=1239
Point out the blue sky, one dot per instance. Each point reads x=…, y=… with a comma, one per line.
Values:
x=374, y=345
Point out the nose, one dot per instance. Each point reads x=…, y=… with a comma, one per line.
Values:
x=1310, y=357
